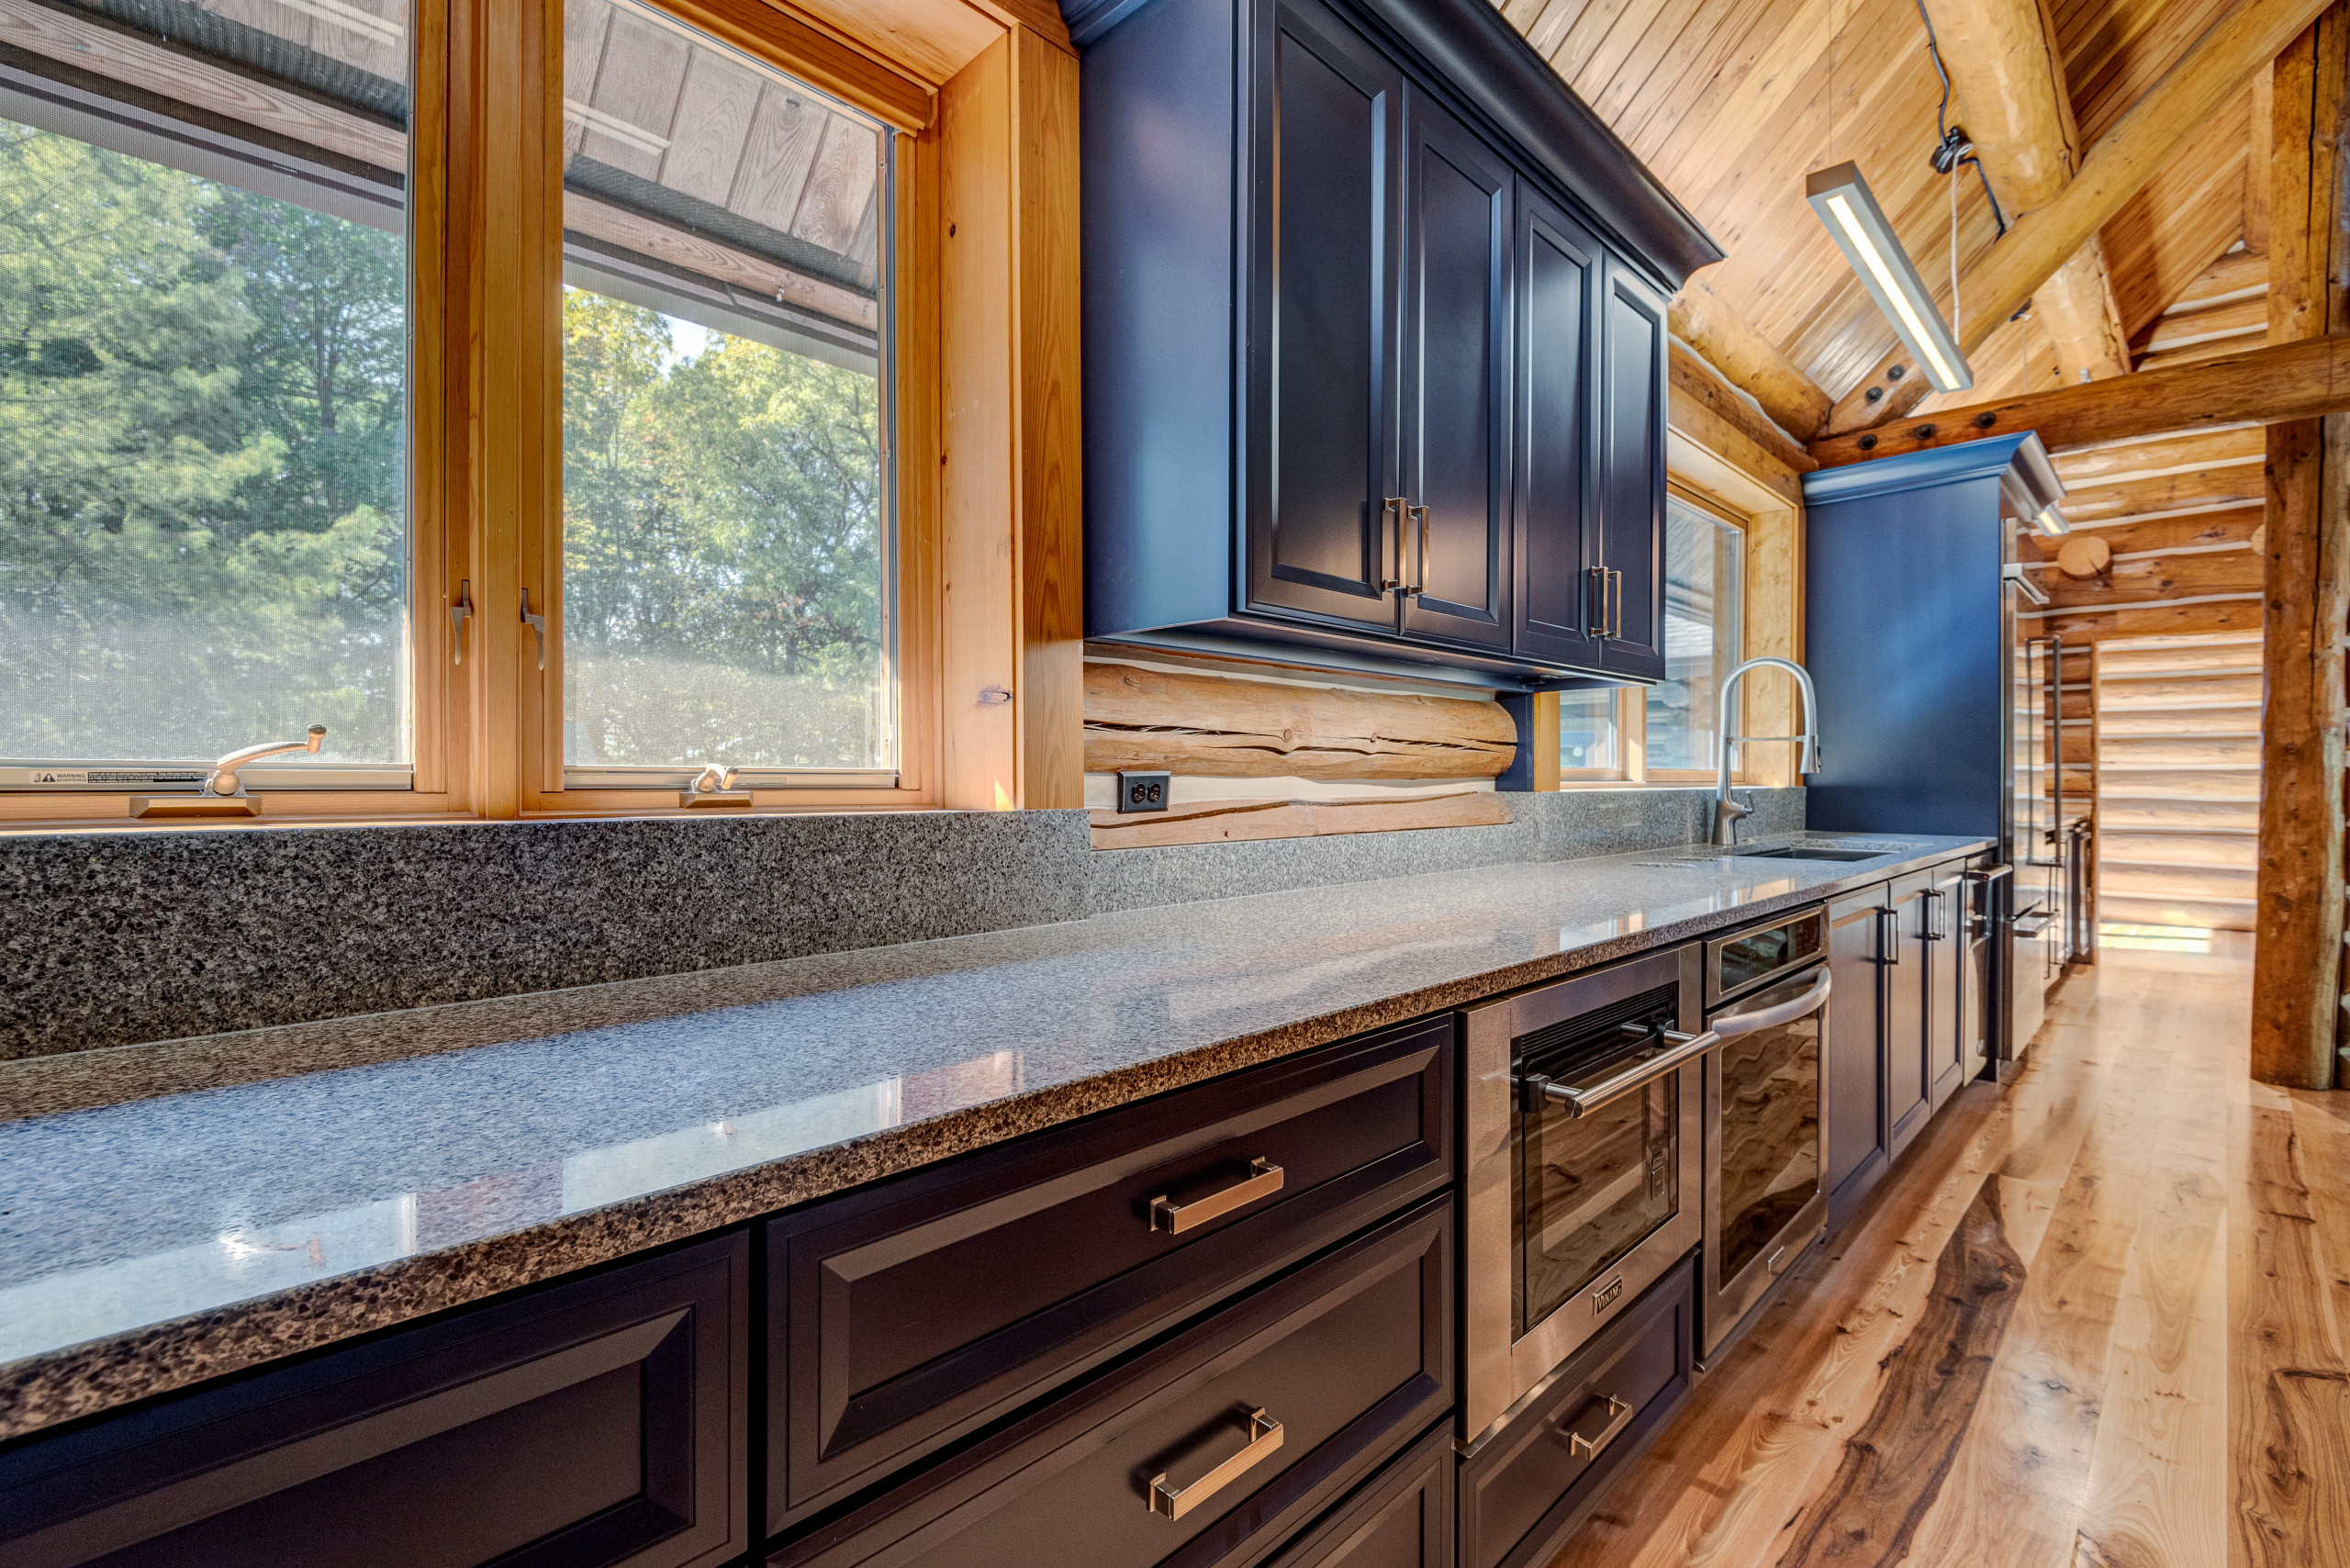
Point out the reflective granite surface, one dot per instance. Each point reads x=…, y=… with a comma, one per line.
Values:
x=403, y=1163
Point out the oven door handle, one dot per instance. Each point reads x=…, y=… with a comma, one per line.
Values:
x=1583, y=1102
x=1731, y=1025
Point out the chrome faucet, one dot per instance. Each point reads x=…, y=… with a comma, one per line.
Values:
x=1725, y=810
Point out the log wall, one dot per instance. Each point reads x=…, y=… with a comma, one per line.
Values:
x=2178, y=809
x=1286, y=757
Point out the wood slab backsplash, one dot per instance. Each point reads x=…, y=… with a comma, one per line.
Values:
x=1219, y=727
x=1215, y=727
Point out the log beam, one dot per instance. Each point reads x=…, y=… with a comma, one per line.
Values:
x=2240, y=43
x=2231, y=50
x=1695, y=379
x=2010, y=78
x=2297, y=961
x=2263, y=386
x=1747, y=360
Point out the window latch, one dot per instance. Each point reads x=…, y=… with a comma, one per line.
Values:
x=537, y=624
x=461, y=612
x=224, y=793
x=717, y=786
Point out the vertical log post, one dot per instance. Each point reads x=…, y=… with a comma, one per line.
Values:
x=2297, y=971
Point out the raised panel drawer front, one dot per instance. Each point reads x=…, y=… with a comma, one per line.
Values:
x=906, y=1316
x=1208, y=1450
x=600, y=1423
x=1402, y=1519
x=1544, y=1472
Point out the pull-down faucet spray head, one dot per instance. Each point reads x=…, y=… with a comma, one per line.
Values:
x=1725, y=810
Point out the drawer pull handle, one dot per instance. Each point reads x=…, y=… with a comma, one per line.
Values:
x=1264, y=1437
x=1613, y=1415
x=1264, y=1180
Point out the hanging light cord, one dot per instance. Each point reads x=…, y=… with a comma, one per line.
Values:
x=1954, y=149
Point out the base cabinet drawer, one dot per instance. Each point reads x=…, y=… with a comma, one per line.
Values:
x=1403, y=1519
x=597, y=1425
x=1208, y=1450
x=1542, y=1473
x=906, y=1317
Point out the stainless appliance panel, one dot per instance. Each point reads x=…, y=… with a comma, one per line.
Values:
x=1501, y=1366
x=1766, y=1134
x=1748, y=959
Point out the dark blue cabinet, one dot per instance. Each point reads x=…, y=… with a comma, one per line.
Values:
x=1456, y=426
x=1557, y=613
x=1323, y=534
x=1374, y=344
x=1631, y=453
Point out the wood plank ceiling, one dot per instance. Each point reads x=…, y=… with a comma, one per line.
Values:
x=1733, y=102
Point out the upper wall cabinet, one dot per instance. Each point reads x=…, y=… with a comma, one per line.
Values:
x=1375, y=342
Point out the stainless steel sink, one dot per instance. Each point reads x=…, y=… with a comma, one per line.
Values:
x=1807, y=852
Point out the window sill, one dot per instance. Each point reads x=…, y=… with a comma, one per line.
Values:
x=53, y=816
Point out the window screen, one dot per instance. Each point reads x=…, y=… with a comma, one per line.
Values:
x=204, y=538
x=726, y=593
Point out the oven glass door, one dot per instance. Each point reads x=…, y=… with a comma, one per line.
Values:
x=1770, y=1121
x=1590, y=1187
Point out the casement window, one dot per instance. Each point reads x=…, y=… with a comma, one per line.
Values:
x=726, y=592
x=204, y=527
x=1668, y=733
x=549, y=400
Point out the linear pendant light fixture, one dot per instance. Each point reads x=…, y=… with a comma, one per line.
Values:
x=1857, y=225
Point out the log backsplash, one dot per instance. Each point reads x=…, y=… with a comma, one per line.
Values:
x=1207, y=725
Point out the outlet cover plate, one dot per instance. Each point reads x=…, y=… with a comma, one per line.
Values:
x=1144, y=791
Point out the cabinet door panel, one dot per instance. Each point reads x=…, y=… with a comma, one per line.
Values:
x=1555, y=518
x=1351, y=1354
x=1456, y=380
x=1324, y=333
x=1945, y=1053
x=1907, y=980
x=1858, y=1151
x=597, y=1424
x=1049, y=1252
x=1402, y=1519
x=1631, y=519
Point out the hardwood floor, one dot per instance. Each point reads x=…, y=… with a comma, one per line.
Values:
x=2097, y=1320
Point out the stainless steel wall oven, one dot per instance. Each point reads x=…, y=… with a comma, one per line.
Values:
x=1766, y=1113
x=1584, y=1144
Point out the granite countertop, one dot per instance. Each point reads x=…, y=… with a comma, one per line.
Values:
x=385, y=1167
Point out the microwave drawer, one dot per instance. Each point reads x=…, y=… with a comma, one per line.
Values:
x=1208, y=1450
x=903, y=1317
x=1541, y=1474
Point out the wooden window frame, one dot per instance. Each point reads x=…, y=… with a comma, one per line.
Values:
x=1632, y=704
x=981, y=98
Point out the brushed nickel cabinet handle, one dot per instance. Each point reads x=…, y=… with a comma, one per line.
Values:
x=1616, y=595
x=1420, y=578
x=1263, y=1181
x=1599, y=614
x=1612, y=1416
x=1264, y=1437
x=1401, y=507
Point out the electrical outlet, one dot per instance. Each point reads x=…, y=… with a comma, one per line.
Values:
x=1144, y=791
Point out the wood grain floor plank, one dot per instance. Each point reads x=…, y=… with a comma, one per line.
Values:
x=2016, y=1489
x=2288, y=1394
x=1895, y=1465
x=2157, y=1493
